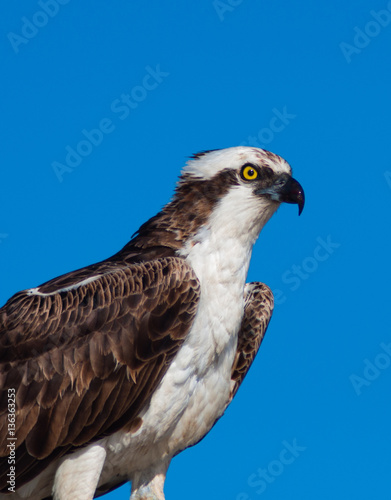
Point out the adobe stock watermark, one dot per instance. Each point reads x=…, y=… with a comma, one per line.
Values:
x=277, y=123
x=11, y=438
x=39, y=19
x=372, y=369
x=296, y=274
x=260, y=479
x=387, y=176
x=221, y=8
x=121, y=108
x=363, y=37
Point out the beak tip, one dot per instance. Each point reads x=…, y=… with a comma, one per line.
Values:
x=300, y=200
x=301, y=204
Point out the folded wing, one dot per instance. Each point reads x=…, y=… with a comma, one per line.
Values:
x=257, y=314
x=84, y=359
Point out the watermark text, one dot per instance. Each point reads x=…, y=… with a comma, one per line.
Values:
x=263, y=477
x=363, y=36
x=297, y=273
x=39, y=19
x=121, y=108
x=11, y=445
x=372, y=369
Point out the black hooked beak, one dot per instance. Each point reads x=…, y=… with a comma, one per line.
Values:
x=286, y=189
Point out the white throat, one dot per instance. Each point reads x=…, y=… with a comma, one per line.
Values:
x=220, y=252
x=220, y=255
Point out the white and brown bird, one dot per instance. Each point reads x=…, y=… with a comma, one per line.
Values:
x=117, y=367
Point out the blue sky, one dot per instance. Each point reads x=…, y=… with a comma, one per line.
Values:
x=137, y=87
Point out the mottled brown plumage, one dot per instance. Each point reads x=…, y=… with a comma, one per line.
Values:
x=258, y=311
x=93, y=357
x=95, y=354
x=91, y=353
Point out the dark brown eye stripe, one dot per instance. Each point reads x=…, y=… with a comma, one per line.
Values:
x=267, y=172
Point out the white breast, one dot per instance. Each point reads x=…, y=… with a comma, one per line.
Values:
x=195, y=390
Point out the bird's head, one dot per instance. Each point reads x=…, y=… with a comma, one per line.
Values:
x=230, y=193
x=255, y=172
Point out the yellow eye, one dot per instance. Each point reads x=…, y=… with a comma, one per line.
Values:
x=249, y=173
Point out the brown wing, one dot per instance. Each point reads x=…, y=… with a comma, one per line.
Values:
x=258, y=310
x=84, y=361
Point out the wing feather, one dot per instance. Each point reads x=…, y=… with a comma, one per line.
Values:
x=258, y=310
x=84, y=359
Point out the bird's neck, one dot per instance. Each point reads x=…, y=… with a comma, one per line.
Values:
x=193, y=203
x=215, y=237
x=220, y=251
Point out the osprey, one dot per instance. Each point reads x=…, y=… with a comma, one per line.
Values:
x=111, y=370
